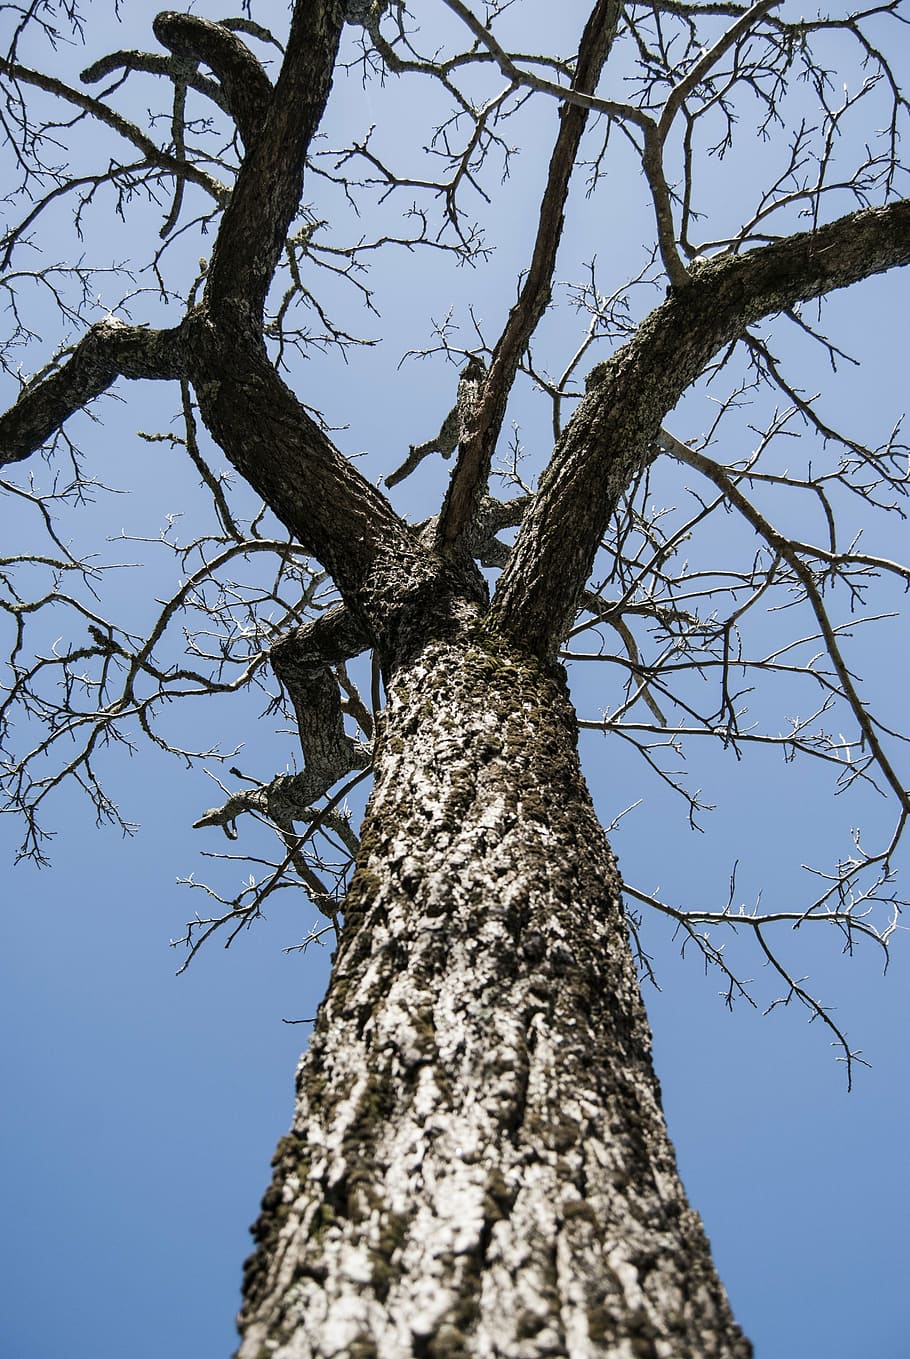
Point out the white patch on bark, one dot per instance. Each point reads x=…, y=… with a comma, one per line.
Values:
x=487, y=1170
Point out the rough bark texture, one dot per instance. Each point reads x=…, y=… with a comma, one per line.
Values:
x=613, y=432
x=269, y=183
x=479, y=1163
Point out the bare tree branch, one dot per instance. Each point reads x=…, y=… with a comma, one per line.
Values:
x=247, y=90
x=469, y=478
x=614, y=432
x=110, y=350
x=267, y=193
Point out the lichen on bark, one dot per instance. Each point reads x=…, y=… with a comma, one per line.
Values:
x=479, y=1163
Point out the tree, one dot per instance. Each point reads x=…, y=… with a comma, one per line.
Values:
x=479, y=1161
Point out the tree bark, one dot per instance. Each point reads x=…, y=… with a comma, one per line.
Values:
x=613, y=432
x=479, y=1163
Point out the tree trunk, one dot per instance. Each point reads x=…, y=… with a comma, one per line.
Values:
x=479, y=1164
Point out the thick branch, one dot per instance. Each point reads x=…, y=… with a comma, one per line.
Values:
x=330, y=639
x=109, y=350
x=376, y=561
x=269, y=184
x=329, y=753
x=247, y=89
x=614, y=431
x=151, y=63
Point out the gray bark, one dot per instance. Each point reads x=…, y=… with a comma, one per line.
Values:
x=614, y=431
x=479, y=1164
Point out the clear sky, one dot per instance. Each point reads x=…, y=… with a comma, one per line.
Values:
x=139, y=1109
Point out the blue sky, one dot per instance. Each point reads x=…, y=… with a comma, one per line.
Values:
x=141, y=1108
